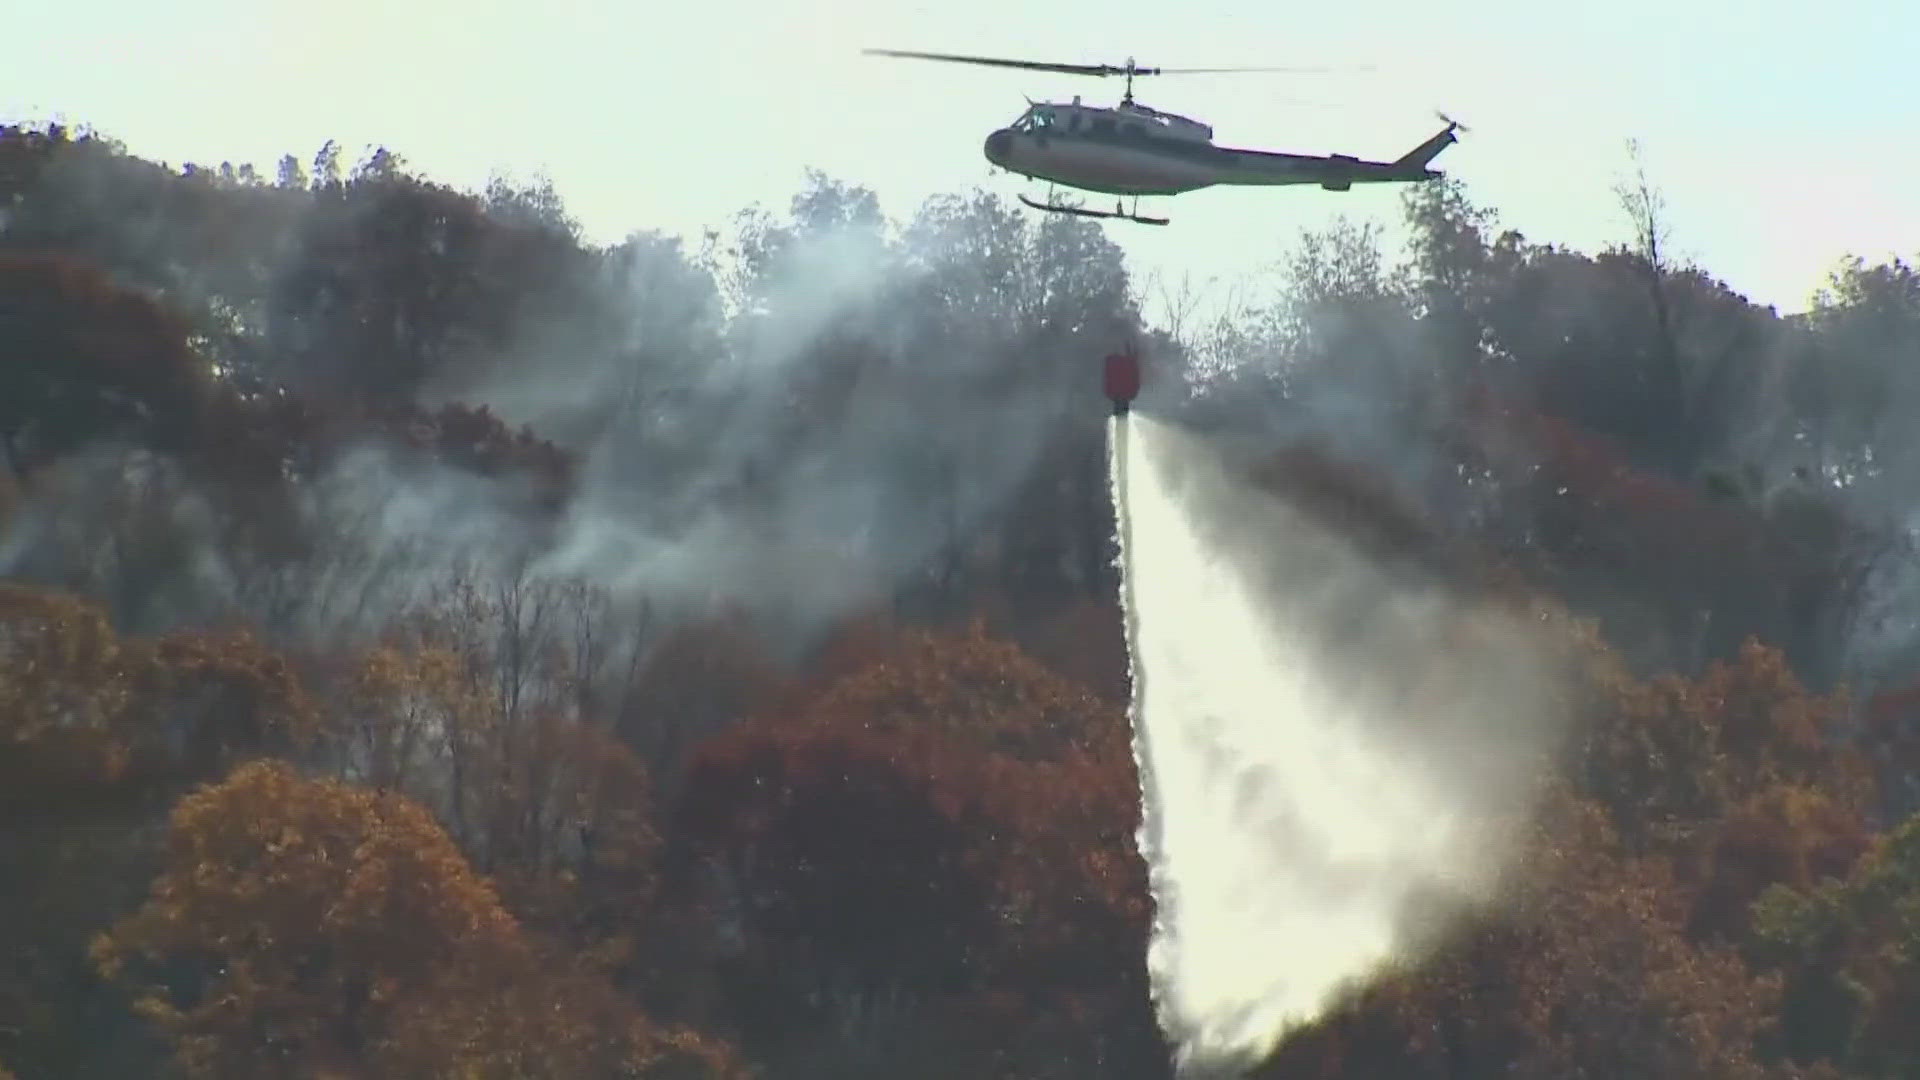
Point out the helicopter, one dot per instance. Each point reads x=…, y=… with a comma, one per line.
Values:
x=1135, y=149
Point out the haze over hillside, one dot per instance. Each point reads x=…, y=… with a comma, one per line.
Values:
x=719, y=649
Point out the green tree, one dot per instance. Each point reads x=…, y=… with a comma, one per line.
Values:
x=1848, y=948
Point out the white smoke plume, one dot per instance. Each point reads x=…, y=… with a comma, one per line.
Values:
x=800, y=459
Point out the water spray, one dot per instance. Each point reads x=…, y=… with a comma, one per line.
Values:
x=1327, y=748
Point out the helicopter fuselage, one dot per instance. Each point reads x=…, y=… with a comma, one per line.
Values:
x=1137, y=150
x=1134, y=149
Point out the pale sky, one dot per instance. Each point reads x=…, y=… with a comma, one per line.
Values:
x=1784, y=135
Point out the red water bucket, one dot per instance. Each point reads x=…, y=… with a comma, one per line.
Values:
x=1122, y=381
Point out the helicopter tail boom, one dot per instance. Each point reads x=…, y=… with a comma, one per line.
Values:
x=1335, y=172
x=1414, y=162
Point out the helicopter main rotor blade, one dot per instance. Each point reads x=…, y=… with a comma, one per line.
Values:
x=1237, y=70
x=1030, y=65
x=1092, y=69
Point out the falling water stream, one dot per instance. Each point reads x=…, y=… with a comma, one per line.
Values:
x=1324, y=747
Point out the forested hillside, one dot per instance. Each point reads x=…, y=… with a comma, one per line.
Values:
x=434, y=645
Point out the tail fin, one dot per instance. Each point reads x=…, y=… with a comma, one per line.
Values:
x=1417, y=158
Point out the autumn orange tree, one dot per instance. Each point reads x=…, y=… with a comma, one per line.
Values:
x=85, y=707
x=1584, y=971
x=64, y=697
x=100, y=731
x=1046, y=761
x=1737, y=775
x=103, y=730
x=473, y=708
x=981, y=689
x=67, y=807
x=948, y=820
x=1621, y=942
x=306, y=926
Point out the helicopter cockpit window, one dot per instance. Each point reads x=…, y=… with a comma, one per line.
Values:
x=1041, y=120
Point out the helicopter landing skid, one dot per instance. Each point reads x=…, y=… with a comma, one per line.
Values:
x=1056, y=208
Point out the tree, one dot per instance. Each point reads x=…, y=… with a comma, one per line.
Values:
x=84, y=359
x=306, y=925
x=70, y=809
x=1847, y=948
x=1670, y=758
x=971, y=687
x=401, y=285
x=470, y=709
x=1583, y=972
x=1793, y=835
x=697, y=679
x=945, y=824
x=1866, y=327
x=293, y=915
x=64, y=697
x=844, y=856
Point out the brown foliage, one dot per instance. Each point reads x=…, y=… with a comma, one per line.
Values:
x=1791, y=834
x=1584, y=973
x=1848, y=948
x=1670, y=756
x=849, y=845
x=702, y=676
x=397, y=701
x=306, y=910
x=974, y=687
x=222, y=696
x=582, y=860
x=1085, y=642
x=561, y=1025
x=557, y=809
x=845, y=863
x=948, y=819
x=308, y=926
x=1612, y=952
x=1890, y=737
x=271, y=437
x=1067, y=873
x=64, y=696
x=83, y=357
x=1682, y=569
x=82, y=708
